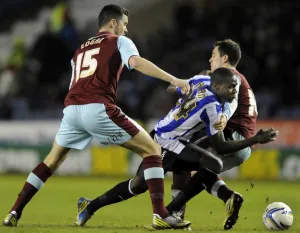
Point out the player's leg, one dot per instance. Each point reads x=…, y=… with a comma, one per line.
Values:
x=144, y=145
x=214, y=185
x=120, y=192
x=114, y=127
x=180, y=180
x=195, y=185
x=236, y=159
x=36, y=181
x=191, y=159
x=68, y=137
x=193, y=154
x=233, y=200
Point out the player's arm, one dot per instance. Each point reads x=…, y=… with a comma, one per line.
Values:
x=221, y=146
x=229, y=109
x=148, y=68
x=131, y=58
x=205, y=79
x=217, y=139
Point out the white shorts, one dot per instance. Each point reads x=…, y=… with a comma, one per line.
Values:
x=106, y=123
x=237, y=158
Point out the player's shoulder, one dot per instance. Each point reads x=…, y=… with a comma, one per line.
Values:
x=240, y=75
x=210, y=105
x=126, y=43
x=124, y=40
x=244, y=84
x=200, y=77
x=209, y=98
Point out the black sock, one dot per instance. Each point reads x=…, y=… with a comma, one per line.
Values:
x=117, y=194
x=180, y=180
x=177, y=202
x=218, y=188
x=194, y=187
x=224, y=193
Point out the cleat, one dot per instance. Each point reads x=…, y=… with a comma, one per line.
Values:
x=233, y=205
x=11, y=220
x=180, y=214
x=169, y=222
x=83, y=215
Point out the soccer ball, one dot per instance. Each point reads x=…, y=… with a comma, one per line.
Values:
x=278, y=216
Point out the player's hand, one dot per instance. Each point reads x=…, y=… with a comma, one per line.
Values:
x=182, y=84
x=205, y=72
x=266, y=135
x=221, y=124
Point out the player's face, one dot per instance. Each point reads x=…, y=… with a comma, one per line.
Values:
x=121, y=26
x=215, y=60
x=227, y=90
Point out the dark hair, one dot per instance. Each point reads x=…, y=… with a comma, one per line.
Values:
x=221, y=75
x=110, y=12
x=231, y=49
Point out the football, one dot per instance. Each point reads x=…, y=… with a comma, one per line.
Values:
x=278, y=216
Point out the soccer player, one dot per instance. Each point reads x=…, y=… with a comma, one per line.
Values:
x=200, y=109
x=91, y=112
x=241, y=125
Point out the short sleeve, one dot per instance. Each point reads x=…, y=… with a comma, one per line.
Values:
x=210, y=115
x=127, y=49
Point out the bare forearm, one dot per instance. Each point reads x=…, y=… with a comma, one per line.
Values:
x=146, y=67
x=234, y=146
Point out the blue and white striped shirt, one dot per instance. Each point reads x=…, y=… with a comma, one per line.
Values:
x=193, y=112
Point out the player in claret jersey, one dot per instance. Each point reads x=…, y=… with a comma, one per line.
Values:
x=91, y=112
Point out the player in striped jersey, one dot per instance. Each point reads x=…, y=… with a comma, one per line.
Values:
x=200, y=109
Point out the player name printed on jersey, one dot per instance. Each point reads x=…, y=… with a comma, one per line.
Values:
x=91, y=42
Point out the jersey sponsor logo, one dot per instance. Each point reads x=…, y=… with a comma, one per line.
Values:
x=114, y=137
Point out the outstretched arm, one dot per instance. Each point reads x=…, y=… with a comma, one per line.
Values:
x=222, y=146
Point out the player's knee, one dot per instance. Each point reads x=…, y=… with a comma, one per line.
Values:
x=56, y=156
x=241, y=158
x=54, y=160
x=215, y=164
x=51, y=162
x=239, y=161
x=152, y=149
x=138, y=186
x=219, y=165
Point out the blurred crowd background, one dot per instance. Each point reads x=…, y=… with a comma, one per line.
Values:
x=38, y=39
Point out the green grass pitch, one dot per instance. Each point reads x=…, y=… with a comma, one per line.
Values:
x=53, y=210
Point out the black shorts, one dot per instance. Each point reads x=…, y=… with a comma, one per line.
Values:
x=187, y=160
x=191, y=158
